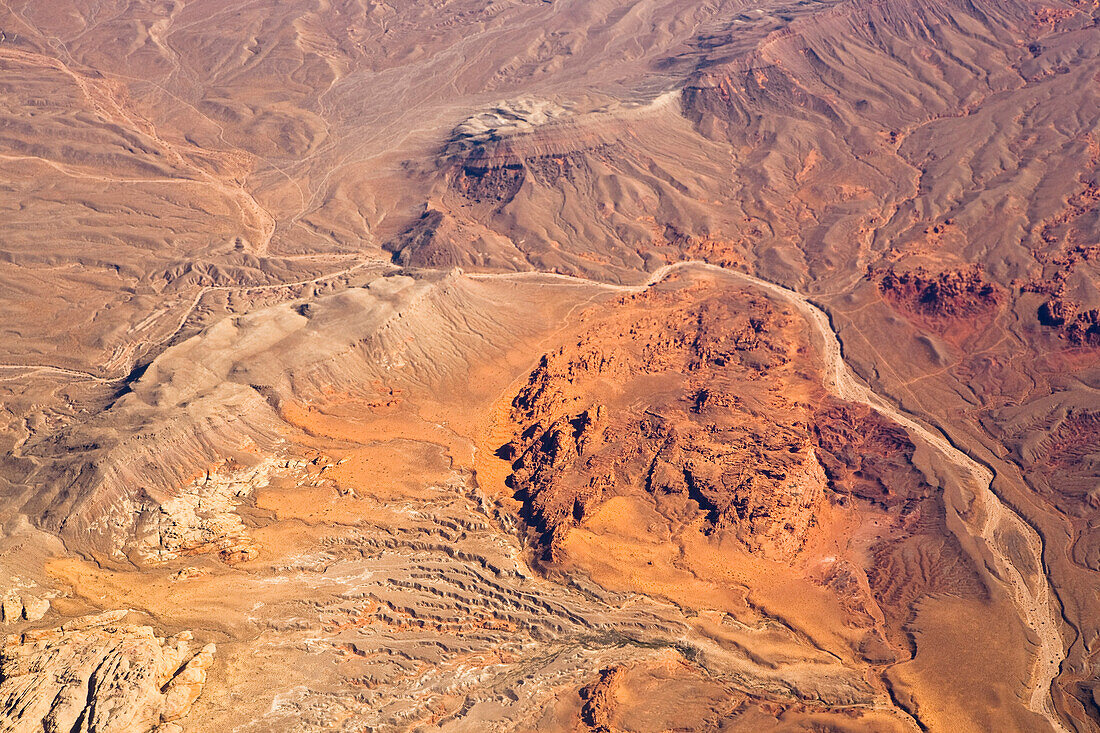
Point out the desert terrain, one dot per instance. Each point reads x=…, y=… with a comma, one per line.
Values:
x=549, y=365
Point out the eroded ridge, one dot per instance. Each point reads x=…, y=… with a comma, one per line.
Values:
x=434, y=616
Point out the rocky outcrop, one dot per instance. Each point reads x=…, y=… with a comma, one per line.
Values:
x=100, y=675
x=949, y=294
x=569, y=184
x=552, y=504
x=1057, y=312
x=722, y=431
x=483, y=184
x=202, y=517
x=1080, y=328
x=865, y=456
x=18, y=607
x=1084, y=330
x=595, y=713
x=1069, y=255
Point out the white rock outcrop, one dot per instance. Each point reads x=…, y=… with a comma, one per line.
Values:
x=99, y=675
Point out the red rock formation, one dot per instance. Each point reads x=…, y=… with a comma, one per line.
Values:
x=1057, y=312
x=1084, y=330
x=592, y=423
x=950, y=294
x=865, y=456
x=1080, y=328
x=596, y=713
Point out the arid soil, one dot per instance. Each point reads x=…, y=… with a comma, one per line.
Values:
x=571, y=365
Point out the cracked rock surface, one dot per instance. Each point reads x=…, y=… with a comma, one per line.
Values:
x=99, y=674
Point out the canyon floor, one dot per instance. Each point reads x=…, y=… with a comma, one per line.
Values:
x=550, y=365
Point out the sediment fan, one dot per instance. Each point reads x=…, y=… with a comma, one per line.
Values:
x=584, y=365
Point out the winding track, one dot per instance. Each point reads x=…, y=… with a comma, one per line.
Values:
x=1034, y=600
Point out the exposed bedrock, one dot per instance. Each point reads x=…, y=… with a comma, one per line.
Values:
x=723, y=426
x=98, y=673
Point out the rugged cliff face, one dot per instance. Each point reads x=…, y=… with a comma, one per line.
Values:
x=960, y=294
x=685, y=390
x=97, y=673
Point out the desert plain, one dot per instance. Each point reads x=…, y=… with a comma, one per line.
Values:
x=549, y=365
